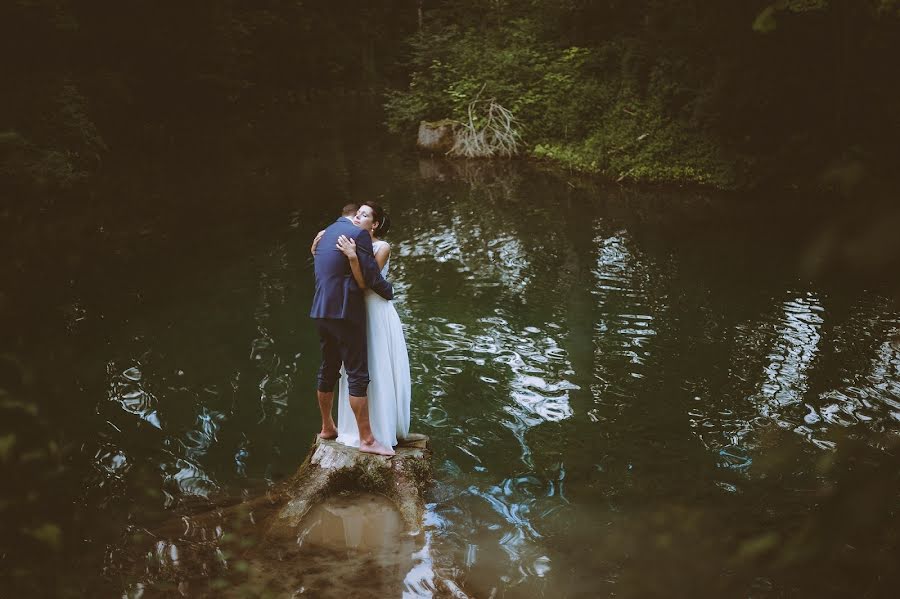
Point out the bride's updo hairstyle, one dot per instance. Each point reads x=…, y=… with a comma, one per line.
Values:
x=379, y=217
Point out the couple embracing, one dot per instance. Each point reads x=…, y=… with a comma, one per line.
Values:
x=363, y=349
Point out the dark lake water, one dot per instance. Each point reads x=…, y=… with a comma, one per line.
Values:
x=629, y=392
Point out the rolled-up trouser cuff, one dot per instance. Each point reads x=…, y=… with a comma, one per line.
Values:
x=325, y=387
x=343, y=342
x=359, y=388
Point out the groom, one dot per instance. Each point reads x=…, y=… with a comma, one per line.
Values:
x=340, y=315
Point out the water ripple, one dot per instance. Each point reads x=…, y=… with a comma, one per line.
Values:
x=128, y=389
x=790, y=340
x=187, y=478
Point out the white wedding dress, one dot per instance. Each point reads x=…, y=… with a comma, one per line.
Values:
x=389, y=380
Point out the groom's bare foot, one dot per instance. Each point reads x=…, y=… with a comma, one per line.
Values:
x=328, y=433
x=376, y=448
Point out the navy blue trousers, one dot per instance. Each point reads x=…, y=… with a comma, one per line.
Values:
x=343, y=342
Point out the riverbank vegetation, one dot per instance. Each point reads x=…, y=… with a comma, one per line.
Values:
x=778, y=93
x=786, y=93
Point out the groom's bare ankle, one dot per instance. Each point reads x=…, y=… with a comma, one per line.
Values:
x=328, y=431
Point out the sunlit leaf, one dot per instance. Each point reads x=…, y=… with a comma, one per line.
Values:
x=12, y=404
x=802, y=5
x=6, y=443
x=765, y=21
x=49, y=534
x=33, y=455
x=758, y=545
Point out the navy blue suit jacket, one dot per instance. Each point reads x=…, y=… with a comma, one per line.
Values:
x=337, y=294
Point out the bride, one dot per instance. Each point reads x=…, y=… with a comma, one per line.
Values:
x=389, y=389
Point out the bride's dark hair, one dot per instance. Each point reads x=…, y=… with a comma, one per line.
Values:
x=379, y=217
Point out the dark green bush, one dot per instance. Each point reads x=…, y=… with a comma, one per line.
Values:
x=694, y=91
x=599, y=110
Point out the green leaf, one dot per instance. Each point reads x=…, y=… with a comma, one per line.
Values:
x=13, y=404
x=803, y=5
x=753, y=548
x=49, y=534
x=765, y=21
x=6, y=443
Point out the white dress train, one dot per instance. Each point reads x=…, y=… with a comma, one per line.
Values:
x=389, y=379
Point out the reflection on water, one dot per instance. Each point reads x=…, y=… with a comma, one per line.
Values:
x=796, y=345
x=625, y=328
x=127, y=389
x=356, y=546
x=623, y=400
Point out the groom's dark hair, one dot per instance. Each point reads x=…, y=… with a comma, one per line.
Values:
x=349, y=209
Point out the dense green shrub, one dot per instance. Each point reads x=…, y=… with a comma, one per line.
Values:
x=587, y=109
x=695, y=91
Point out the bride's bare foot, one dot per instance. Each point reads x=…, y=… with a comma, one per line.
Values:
x=376, y=448
x=328, y=433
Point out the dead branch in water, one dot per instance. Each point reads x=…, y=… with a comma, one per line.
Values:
x=490, y=131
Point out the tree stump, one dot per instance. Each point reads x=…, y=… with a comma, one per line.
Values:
x=333, y=468
x=249, y=544
x=437, y=136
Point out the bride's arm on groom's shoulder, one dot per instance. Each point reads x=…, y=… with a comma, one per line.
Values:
x=370, y=270
x=348, y=248
x=316, y=241
x=357, y=272
x=382, y=255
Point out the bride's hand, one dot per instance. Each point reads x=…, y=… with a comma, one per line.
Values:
x=316, y=241
x=347, y=245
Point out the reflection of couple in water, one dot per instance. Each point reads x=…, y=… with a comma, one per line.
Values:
x=363, y=349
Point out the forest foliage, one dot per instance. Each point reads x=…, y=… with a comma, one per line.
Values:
x=84, y=81
x=725, y=94
x=699, y=91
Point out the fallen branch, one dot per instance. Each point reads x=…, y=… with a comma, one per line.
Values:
x=490, y=131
